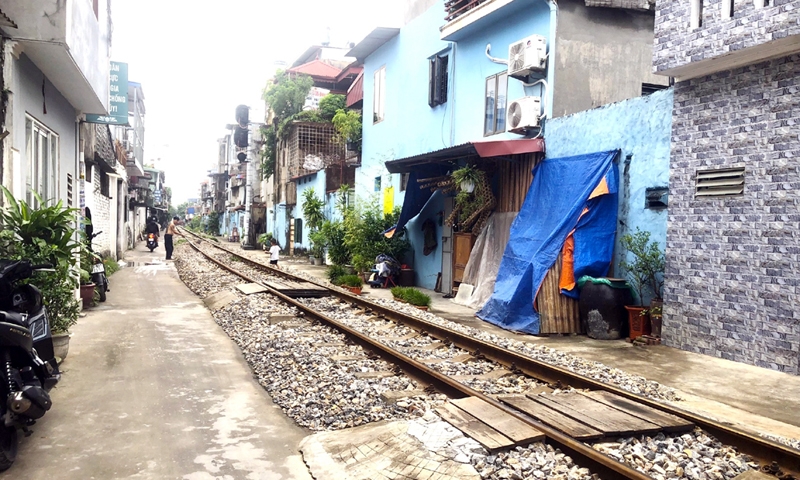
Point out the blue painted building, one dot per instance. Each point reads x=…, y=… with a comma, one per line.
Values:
x=640, y=128
x=436, y=95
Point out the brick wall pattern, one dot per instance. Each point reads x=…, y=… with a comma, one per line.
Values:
x=677, y=44
x=101, y=217
x=732, y=285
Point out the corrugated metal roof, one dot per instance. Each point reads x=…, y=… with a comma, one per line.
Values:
x=5, y=21
x=482, y=149
x=317, y=68
x=372, y=42
x=355, y=93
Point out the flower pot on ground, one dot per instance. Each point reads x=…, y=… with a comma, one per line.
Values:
x=87, y=294
x=352, y=283
x=638, y=322
x=656, y=307
x=61, y=345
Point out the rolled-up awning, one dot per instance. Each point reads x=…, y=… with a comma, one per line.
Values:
x=482, y=149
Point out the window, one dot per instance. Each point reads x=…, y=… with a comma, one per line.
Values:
x=719, y=183
x=42, y=154
x=697, y=14
x=727, y=9
x=656, y=198
x=298, y=230
x=104, y=184
x=379, y=95
x=377, y=184
x=437, y=80
x=650, y=88
x=495, y=108
x=403, y=181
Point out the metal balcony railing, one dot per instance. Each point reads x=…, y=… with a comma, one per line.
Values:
x=456, y=8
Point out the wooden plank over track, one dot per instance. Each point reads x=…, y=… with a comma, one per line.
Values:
x=609, y=420
x=297, y=289
x=667, y=421
x=548, y=416
x=490, y=438
x=512, y=427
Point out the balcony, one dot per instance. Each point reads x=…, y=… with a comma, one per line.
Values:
x=465, y=17
x=67, y=43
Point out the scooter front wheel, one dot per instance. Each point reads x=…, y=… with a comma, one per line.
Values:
x=8, y=447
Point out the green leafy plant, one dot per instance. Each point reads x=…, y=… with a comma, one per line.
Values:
x=313, y=209
x=330, y=105
x=318, y=241
x=348, y=125
x=334, y=272
x=45, y=235
x=269, y=151
x=412, y=296
x=353, y=281
x=466, y=175
x=643, y=263
x=86, y=278
x=265, y=238
x=211, y=224
x=287, y=93
x=334, y=239
x=111, y=266
x=364, y=237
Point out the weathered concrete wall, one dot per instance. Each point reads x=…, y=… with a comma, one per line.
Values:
x=640, y=128
x=603, y=55
x=732, y=287
x=679, y=44
x=100, y=206
x=26, y=97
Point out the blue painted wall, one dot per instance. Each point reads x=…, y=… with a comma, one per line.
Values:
x=426, y=267
x=641, y=128
x=317, y=182
x=412, y=127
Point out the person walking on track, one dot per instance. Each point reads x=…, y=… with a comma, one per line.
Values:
x=171, y=230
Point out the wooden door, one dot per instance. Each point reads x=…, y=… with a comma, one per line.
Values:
x=462, y=247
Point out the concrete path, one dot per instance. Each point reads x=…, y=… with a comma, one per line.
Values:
x=154, y=389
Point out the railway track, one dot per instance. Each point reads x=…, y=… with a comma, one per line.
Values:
x=774, y=457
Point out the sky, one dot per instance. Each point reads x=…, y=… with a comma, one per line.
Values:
x=197, y=61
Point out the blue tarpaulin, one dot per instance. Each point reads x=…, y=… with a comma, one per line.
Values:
x=416, y=198
x=571, y=206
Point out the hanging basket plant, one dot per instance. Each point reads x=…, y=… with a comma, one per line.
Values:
x=474, y=201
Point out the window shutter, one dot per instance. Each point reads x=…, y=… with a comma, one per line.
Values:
x=437, y=87
x=298, y=230
x=720, y=183
x=432, y=82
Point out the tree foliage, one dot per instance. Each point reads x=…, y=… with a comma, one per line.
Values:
x=330, y=104
x=287, y=94
x=643, y=263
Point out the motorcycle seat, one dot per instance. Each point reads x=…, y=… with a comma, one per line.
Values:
x=14, y=317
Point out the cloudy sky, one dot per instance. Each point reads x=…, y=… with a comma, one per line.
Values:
x=197, y=61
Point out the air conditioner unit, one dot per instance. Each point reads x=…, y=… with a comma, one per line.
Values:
x=527, y=56
x=523, y=114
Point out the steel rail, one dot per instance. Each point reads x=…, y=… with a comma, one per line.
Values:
x=584, y=455
x=765, y=451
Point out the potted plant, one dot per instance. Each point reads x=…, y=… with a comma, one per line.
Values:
x=317, y=250
x=335, y=272
x=352, y=283
x=398, y=293
x=466, y=178
x=264, y=240
x=643, y=265
x=417, y=298
x=87, y=288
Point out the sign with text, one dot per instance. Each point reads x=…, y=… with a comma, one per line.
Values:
x=117, y=97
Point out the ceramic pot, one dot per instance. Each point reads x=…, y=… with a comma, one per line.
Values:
x=61, y=346
x=638, y=322
x=602, y=309
x=354, y=290
x=87, y=294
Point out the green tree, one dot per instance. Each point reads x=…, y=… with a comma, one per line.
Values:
x=287, y=94
x=330, y=104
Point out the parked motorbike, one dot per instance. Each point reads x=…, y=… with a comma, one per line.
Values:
x=99, y=272
x=29, y=369
x=151, y=241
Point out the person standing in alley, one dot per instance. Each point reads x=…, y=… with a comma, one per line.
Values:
x=274, y=252
x=171, y=230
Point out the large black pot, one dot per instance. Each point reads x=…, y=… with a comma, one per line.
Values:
x=602, y=308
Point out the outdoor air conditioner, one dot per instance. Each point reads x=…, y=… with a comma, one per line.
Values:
x=527, y=56
x=523, y=114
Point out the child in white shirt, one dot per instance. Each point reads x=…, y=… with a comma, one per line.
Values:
x=274, y=252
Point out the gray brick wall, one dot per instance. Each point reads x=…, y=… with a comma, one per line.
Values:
x=732, y=280
x=677, y=44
